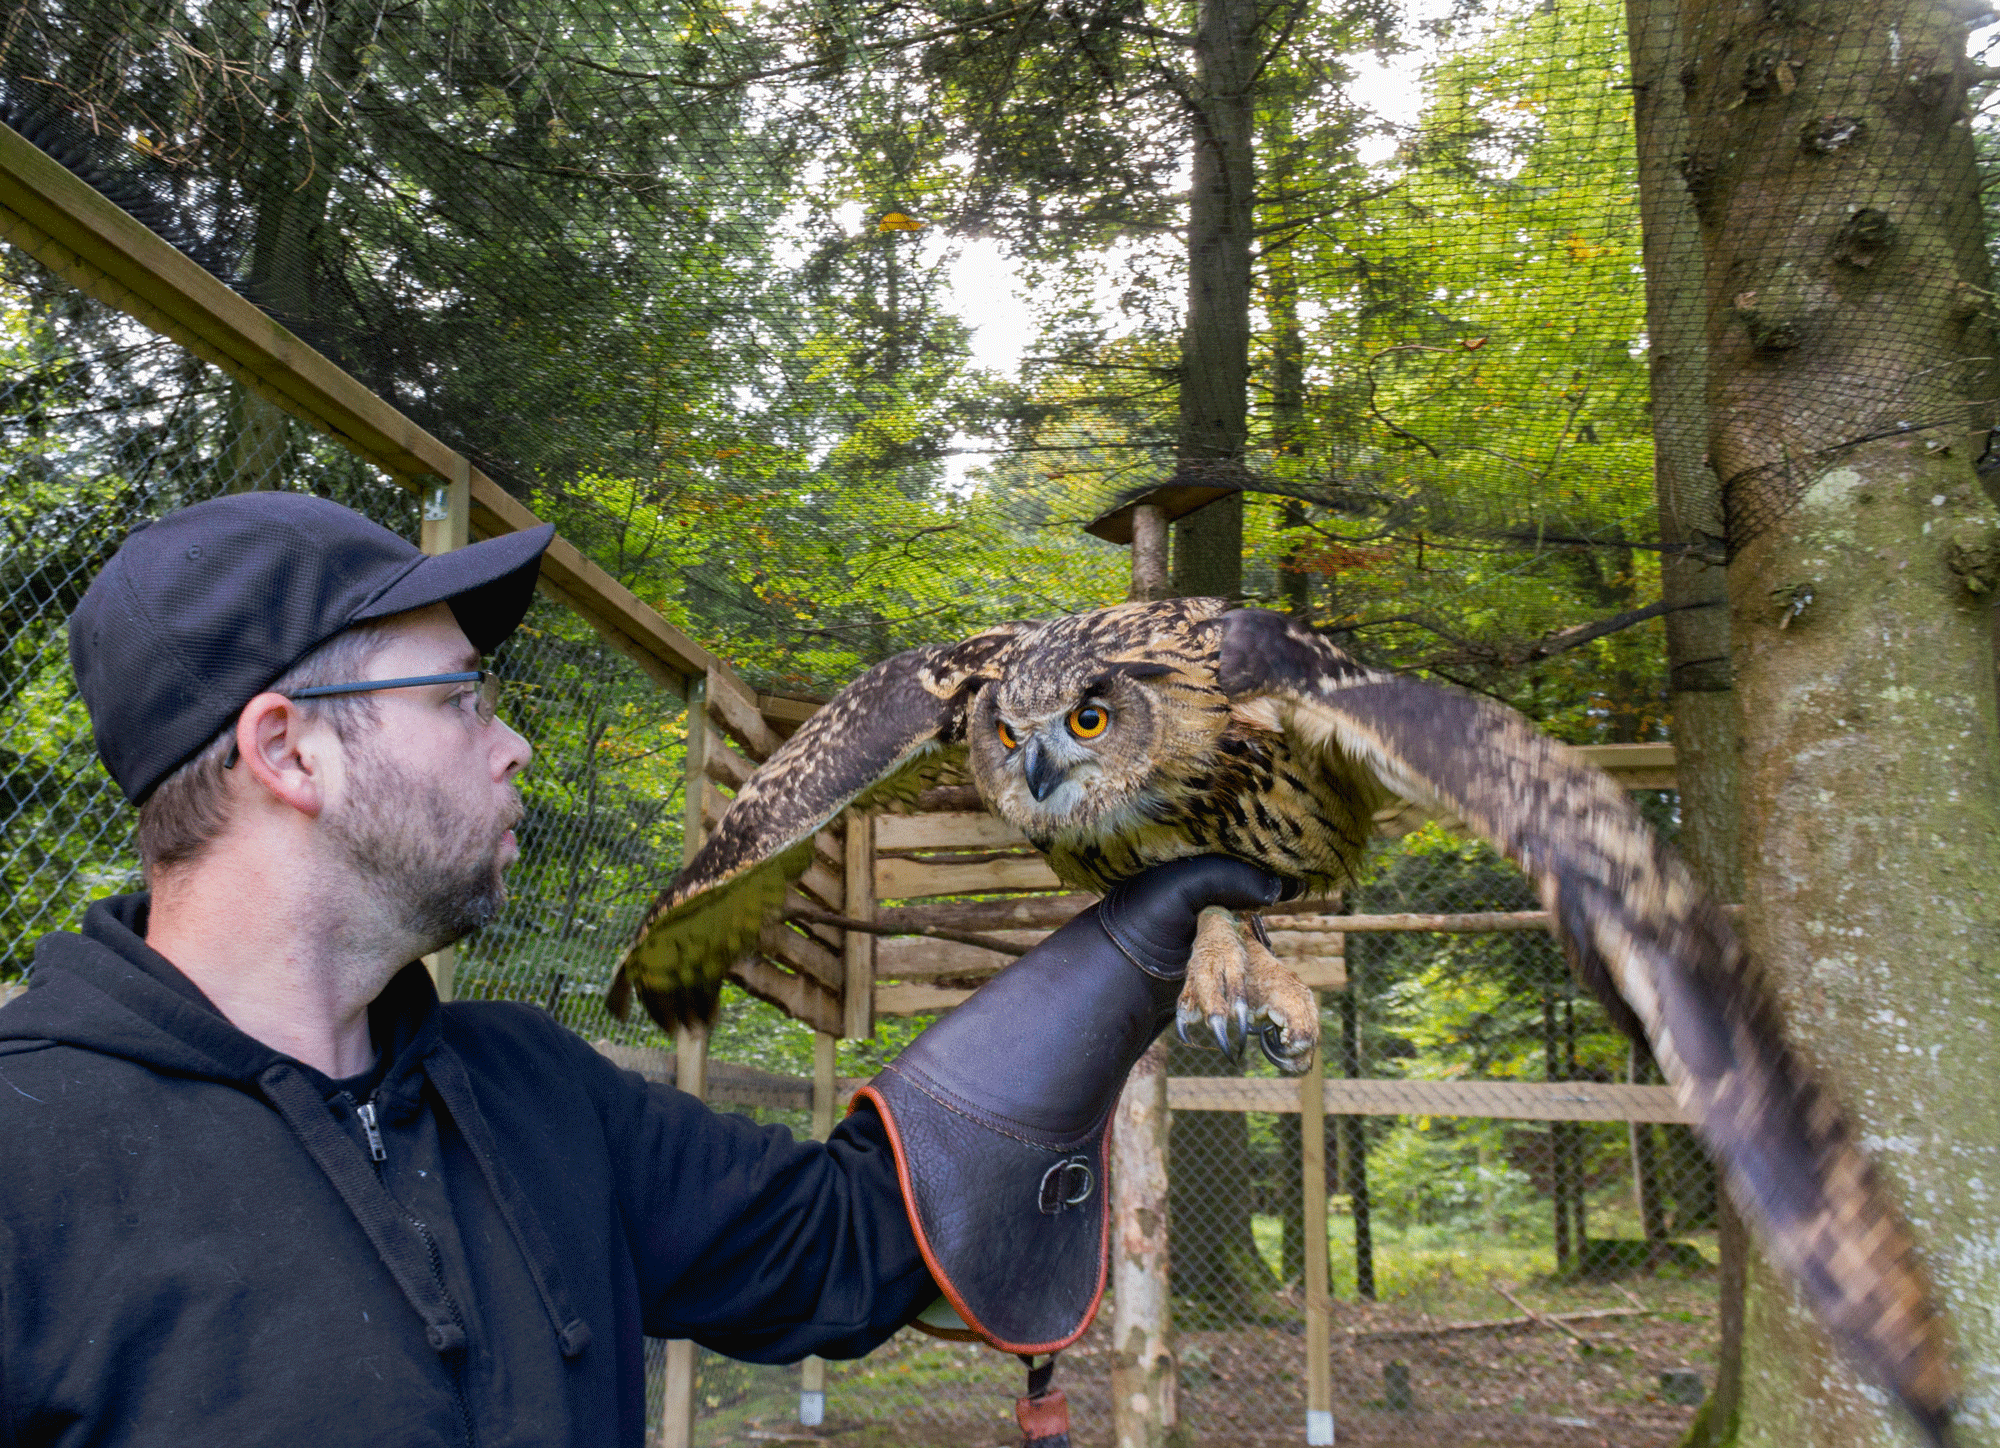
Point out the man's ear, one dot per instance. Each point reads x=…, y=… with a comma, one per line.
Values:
x=283, y=750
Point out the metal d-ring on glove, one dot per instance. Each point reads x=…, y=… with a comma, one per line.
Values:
x=998, y=1114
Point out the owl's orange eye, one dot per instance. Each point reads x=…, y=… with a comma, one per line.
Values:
x=1087, y=721
x=1006, y=735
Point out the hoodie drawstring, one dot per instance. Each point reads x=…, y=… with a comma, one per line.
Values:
x=387, y=1225
x=448, y=1075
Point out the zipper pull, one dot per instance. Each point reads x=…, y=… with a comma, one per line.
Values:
x=366, y=1111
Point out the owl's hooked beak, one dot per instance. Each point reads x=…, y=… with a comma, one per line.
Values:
x=1043, y=773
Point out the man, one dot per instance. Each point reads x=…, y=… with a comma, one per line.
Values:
x=261, y=1187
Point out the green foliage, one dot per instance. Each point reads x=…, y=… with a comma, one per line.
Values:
x=1436, y=1173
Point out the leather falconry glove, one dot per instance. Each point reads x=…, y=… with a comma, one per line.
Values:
x=999, y=1113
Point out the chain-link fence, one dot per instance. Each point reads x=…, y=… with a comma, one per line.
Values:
x=97, y=437
x=1493, y=1279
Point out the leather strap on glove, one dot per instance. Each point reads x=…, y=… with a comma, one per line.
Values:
x=998, y=1114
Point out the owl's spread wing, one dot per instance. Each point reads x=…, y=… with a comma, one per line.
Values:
x=875, y=733
x=1657, y=952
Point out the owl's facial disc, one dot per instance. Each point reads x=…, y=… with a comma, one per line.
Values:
x=1053, y=756
x=1062, y=751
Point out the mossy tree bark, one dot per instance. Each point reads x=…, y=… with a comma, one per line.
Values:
x=1831, y=167
x=1215, y=345
x=1699, y=676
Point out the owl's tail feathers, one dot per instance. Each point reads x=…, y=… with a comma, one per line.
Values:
x=1666, y=956
x=687, y=945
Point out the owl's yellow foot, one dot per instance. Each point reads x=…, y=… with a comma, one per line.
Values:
x=1236, y=988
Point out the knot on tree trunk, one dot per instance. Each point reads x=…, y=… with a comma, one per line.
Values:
x=1973, y=553
x=1829, y=133
x=1867, y=234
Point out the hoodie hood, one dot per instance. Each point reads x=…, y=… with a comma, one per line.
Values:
x=105, y=990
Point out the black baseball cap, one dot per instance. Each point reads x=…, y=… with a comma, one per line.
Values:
x=199, y=612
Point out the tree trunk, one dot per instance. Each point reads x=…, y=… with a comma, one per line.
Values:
x=1354, y=1139
x=1288, y=353
x=1699, y=677
x=1215, y=347
x=1292, y=1203
x=1645, y=1159
x=1831, y=168
x=1558, y=1142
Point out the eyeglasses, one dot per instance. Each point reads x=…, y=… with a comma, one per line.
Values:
x=487, y=705
x=488, y=681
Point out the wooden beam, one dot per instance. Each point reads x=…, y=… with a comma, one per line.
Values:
x=104, y=251
x=1143, y=1405
x=907, y=879
x=1294, y=945
x=911, y=1000
x=915, y=957
x=727, y=766
x=989, y=916
x=695, y=786
x=1635, y=766
x=797, y=901
x=955, y=830
x=1322, y=972
x=734, y=708
x=1318, y=1294
x=1502, y=1100
x=858, y=997
x=1471, y=924
x=714, y=803
x=691, y=1075
x=446, y=527
x=824, y=886
x=785, y=712
x=830, y=849
x=797, y=996
x=790, y=946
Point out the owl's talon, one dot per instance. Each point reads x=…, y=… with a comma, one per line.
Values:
x=1269, y=1039
x=1180, y=1028
x=1242, y=1023
x=1233, y=1049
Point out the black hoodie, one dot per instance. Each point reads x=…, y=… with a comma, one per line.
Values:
x=200, y=1242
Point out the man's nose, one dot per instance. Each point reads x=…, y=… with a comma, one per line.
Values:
x=514, y=750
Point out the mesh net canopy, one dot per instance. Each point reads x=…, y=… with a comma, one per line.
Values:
x=713, y=288
x=695, y=285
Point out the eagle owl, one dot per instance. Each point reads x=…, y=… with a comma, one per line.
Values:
x=1146, y=732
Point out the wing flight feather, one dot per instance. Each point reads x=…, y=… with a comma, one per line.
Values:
x=1660, y=956
x=894, y=720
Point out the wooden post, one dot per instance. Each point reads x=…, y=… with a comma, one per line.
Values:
x=858, y=987
x=1144, y=1384
x=826, y=1087
x=1319, y=1300
x=447, y=526
x=690, y=1070
x=1149, y=553
x=825, y=1107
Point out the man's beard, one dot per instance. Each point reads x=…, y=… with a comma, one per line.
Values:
x=430, y=859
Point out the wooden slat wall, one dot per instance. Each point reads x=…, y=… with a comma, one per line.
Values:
x=933, y=860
